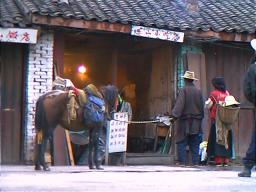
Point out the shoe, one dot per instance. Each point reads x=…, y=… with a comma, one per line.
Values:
x=192, y=166
x=225, y=165
x=245, y=173
x=226, y=161
x=180, y=164
x=92, y=167
x=99, y=167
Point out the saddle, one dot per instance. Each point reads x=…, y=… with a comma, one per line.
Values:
x=72, y=118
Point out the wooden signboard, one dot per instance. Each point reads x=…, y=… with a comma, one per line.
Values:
x=157, y=33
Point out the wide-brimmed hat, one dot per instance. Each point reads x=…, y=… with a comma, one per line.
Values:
x=253, y=44
x=189, y=75
x=230, y=100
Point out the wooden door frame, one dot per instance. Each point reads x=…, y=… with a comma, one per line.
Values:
x=0, y=104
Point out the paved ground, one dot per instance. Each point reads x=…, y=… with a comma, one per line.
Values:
x=127, y=178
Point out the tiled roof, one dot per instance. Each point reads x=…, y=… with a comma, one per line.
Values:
x=216, y=15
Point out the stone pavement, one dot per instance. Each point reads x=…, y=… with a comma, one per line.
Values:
x=126, y=178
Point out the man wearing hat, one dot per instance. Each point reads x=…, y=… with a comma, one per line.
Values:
x=249, y=88
x=189, y=111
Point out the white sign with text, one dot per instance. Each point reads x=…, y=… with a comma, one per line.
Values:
x=157, y=33
x=17, y=35
x=117, y=133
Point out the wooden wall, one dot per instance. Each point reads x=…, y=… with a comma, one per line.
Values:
x=161, y=86
x=231, y=62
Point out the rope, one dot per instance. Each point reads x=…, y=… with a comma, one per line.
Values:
x=166, y=120
x=138, y=122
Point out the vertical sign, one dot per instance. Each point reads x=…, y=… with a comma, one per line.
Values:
x=117, y=133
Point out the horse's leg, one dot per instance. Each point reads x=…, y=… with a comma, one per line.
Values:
x=37, y=152
x=37, y=162
x=42, y=152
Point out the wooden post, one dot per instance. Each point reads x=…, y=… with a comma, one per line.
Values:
x=70, y=151
x=114, y=66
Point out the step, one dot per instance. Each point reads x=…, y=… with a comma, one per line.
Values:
x=149, y=159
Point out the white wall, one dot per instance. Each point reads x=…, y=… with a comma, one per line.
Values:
x=39, y=76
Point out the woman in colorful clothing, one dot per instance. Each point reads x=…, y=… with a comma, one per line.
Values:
x=217, y=152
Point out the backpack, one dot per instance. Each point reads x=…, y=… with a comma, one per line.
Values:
x=94, y=111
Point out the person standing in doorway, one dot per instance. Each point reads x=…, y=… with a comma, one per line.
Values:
x=189, y=111
x=96, y=137
x=119, y=158
x=215, y=151
x=249, y=88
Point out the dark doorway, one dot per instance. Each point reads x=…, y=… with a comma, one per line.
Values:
x=11, y=70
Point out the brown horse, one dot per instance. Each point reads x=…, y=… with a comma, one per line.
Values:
x=50, y=109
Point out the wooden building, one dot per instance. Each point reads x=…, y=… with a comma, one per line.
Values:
x=98, y=34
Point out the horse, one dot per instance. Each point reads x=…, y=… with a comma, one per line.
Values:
x=50, y=109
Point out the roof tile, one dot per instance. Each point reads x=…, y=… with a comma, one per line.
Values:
x=217, y=15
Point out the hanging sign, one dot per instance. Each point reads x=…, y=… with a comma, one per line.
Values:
x=157, y=33
x=17, y=35
x=117, y=133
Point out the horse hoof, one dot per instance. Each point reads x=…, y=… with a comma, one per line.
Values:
x=38, y=167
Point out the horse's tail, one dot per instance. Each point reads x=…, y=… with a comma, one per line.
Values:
x=40, y=119
x=38, y=114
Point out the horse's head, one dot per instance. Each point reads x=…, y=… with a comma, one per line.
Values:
x=110, y=94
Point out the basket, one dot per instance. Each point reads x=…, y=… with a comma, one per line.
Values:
x=227, y=115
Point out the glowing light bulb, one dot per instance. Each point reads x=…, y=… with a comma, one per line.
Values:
x=82, y=69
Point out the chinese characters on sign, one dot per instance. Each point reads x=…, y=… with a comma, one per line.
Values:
x=157, y=33
x=17, y=35
x=117, y=133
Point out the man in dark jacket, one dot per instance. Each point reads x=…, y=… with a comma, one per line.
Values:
x=249, y=88
x=189, y=111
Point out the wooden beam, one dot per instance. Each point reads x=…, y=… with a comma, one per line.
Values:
x=58, y=53
x=121, y=28
x=80, y=23
x=223, y=36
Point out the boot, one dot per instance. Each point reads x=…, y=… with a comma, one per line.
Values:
x=90, y=157
x=245, y=173
x=99, y=166
x=92, y=166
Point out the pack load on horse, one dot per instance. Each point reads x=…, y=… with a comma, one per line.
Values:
x=65, y=106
